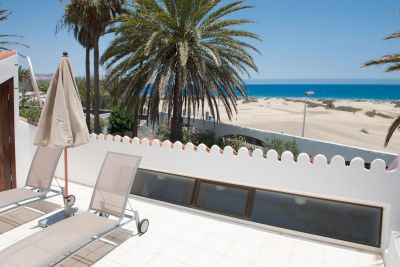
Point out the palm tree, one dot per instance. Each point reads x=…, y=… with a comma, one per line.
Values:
x=4, y=13
x=23, y=80
x=392, y=62
x=72, y=19
x=183, y=51
x=93, y=17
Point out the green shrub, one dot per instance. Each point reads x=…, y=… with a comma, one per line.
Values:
x=364, y=131
x=198, y=138
x=31, y=113
x=250, y=100
x=163, y=132
x=119, y=122
x=329, y=103
x=348, y=109
x=280, y=146
x=236, y=142
x=373, y=113
x=192, y=135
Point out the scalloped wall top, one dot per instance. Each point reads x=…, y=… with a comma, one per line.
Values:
x=287, y=156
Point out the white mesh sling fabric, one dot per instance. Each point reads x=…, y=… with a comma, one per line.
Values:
x=40, y=175
x=110, y=196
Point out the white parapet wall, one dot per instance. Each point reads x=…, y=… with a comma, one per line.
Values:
x=375, y=186
x=308, y=145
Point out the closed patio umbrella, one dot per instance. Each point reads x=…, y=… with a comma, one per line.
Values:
x=62, y=122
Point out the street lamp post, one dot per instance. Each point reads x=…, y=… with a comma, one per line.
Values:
x=306, y=94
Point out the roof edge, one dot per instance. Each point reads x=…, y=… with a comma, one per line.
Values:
x=6, y=54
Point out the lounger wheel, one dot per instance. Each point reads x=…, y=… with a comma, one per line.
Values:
x=71, y=200
x=143, y=226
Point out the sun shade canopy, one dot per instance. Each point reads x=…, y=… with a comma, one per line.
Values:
x=62, y=121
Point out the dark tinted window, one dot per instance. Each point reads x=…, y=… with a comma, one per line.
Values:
x=162, y=186
x=344, y=221
x=225, y=199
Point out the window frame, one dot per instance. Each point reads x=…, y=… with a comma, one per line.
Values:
x=248, y=189
x=249, y=205
x=381, y=211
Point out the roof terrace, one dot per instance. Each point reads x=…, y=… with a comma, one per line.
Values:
x=215, y=207
x=181, y=236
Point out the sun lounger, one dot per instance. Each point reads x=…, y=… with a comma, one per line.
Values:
x=106, y=212
x=39, y=178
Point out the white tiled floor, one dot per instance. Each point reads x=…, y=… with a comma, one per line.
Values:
x=177, y=237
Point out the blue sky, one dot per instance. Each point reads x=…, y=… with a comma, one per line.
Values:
x=307, y=39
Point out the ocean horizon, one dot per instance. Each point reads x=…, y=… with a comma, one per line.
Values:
x=388, y=92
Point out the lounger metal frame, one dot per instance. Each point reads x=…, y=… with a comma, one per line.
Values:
x=59, y=258
x=43, y=196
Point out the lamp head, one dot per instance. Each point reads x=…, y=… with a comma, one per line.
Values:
x=308, y=93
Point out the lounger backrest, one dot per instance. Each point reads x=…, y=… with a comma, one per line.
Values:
x=114, y=183
x=43, y=166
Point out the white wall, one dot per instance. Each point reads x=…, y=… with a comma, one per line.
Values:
x=306, y=145
x=25, y=133
x=353, y=183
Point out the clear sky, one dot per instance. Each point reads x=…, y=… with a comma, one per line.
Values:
x=307, y=39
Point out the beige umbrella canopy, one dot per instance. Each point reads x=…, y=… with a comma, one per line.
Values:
x=62, y=122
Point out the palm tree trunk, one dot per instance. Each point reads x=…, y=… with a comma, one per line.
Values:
x=135, y=123
x=87, y=100
x=23, y=93
x=96, y=85
x=177, y=121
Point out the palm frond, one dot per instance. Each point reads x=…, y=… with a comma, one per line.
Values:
x=186, y=53
x=395, y=125
x=4, y=14
x=393, y=36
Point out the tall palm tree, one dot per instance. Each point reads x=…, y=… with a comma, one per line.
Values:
x=392, y=63
x=73, y=21
x=4, y=13
x=23, y=80
x=183, y=51
x=93, y=16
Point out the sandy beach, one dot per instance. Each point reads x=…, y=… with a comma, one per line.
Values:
x=354, y=128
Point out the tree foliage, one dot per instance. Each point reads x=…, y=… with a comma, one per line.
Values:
x=4, y=13
x=183, y=54
x=88, y=19
x=392, y=63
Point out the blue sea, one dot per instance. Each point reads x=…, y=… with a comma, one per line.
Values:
x=331, y=91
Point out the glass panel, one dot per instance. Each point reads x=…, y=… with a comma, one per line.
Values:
x=344, y=221
x=224, y=199
x=162, y=186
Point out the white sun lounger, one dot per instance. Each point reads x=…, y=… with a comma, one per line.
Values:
x=39, y=178
x=110, y=196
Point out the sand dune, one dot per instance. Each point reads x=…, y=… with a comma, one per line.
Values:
x=282, y=115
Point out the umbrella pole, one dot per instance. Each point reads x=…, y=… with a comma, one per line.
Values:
x=66, y=171
x=66, y=204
